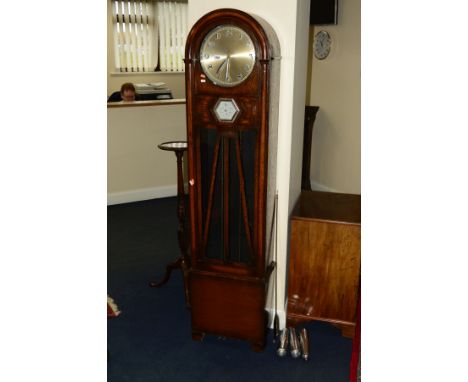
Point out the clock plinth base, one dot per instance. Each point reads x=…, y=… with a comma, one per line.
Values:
x=230, y=306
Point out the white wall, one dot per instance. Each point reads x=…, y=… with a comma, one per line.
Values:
x=289, y=19
x=336, y=88
x=136, y=168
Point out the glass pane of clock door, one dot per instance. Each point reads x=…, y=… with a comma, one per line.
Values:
x=227, y=180
x=211, y=232
x=242, y=234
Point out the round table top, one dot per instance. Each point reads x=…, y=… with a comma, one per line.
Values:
x=173, y=146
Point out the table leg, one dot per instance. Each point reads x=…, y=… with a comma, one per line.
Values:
x=183, y=261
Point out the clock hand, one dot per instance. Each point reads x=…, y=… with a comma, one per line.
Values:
x=227, y=69
x=220, y=66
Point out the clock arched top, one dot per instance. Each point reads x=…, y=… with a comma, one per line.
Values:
x=227, y=16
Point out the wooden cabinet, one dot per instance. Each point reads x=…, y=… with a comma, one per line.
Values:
x=325, y=260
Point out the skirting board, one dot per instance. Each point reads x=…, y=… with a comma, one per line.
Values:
x=141, y=194
x=316, y=186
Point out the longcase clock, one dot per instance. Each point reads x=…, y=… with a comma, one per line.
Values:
x=229, y=59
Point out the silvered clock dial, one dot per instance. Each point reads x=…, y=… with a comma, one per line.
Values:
x=227, y=55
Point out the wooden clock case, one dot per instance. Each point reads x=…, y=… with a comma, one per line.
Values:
x=232, y=172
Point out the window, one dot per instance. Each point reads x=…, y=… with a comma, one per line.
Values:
x=149, y=35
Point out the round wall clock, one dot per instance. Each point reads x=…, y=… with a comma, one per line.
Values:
x=227, y=55
x=322, y=45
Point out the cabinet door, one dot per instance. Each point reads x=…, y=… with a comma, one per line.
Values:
x=324, y=270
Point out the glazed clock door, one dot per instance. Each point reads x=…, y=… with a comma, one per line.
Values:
x=227, y=193
x=228, y=60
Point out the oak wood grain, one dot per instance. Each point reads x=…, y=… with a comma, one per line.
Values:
x=325, y=260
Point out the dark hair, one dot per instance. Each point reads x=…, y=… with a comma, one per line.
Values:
x=127, y=86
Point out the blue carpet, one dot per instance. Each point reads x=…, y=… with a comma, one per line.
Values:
x=151, y=339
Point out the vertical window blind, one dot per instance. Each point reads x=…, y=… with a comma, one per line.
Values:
x=148, y=33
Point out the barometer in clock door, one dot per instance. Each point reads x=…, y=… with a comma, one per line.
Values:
x=228, y=62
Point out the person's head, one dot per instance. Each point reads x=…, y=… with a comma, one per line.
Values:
x=127, y=92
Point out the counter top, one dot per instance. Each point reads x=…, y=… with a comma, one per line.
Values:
x=178, y=101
